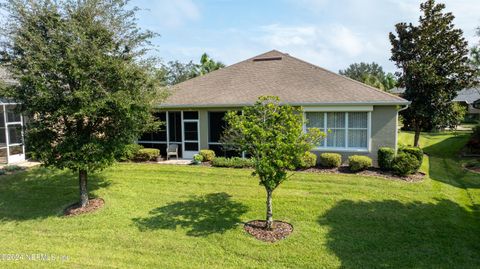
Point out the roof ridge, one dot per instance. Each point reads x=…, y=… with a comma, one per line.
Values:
x=333, y=73
x=228, y=67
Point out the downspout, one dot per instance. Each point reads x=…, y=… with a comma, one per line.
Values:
x=396, y=126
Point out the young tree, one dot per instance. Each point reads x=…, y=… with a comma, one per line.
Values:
x=81, y=81
x=433, y=58
x=273, y=135
x=371, y=74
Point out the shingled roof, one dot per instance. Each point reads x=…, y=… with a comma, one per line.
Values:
x=296, y=82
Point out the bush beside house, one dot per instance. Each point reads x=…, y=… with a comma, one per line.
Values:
x=407, y=161
x=147, y=154
x=308, y=160
x=330, y=160
x=385, y=158
x=207, y=154
x=235, y=162
x=359, y=163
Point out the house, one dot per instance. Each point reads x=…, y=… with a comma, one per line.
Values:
x=358, y=118
x=466, y=97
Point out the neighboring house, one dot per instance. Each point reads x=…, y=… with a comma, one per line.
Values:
x=465, y=97
x=357, y=118
x=12, y=148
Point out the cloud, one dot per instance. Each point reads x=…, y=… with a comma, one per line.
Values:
x=169, y=13
x=324, y=45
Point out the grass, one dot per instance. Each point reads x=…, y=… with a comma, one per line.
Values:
x=190, y=217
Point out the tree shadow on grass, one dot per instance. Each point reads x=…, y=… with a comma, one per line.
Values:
x=40, y=193
x=445, y=163
x=390, y=234
x=201, y=215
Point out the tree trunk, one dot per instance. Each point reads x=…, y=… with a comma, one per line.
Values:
x=269, y=223
x=417, y=136
x=82, y=178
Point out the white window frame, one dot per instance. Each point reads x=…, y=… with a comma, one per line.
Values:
x=346, y=110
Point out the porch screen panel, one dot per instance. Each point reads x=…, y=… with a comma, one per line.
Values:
x=175, y=126
x=216, y=126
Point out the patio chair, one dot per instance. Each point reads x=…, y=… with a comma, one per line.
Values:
x=172, y=150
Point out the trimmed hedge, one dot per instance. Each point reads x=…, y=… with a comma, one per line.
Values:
x=414, y=151
x=385, y=158
x=359, y=163
x=129, y=152
x=330, y=160
x=207, y=154
x=308, y=160
x=197, y=158
x=405, y=164
x=234, y=162
x=147, y=154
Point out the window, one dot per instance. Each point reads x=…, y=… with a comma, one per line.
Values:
x=344, y=130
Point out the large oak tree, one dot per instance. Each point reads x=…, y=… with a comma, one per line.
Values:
x=433, y=59
x=83, y=80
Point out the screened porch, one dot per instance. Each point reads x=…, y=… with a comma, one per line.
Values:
x=12, y=147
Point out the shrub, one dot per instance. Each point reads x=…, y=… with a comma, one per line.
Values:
x=413, y=151
x=405, y=164
x=147, y=154
x=308, y=160
x=208, y=155
x=385, y=158
x=359, y=163
x=330, y=160
x=2, y=172
x=234, y=162
x=197, y=158
x=129, y=152
x=11, y=168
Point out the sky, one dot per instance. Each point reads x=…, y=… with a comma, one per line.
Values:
x=328, y=33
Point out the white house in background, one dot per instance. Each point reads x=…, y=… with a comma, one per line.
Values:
x=465, y=97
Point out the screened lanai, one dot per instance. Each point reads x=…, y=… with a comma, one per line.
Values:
x=12, y=148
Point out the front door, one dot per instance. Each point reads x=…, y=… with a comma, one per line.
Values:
x=190, y=138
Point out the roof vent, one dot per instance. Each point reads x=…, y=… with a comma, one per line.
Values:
x=267, y=59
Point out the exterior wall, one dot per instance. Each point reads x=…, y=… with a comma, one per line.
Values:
x=383, y=130
x=383, y=133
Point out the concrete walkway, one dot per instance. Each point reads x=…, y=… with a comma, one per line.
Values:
x=177, y=162
x=24, y=164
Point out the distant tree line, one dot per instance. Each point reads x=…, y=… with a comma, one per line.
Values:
x=175, y=72
x=371, y=74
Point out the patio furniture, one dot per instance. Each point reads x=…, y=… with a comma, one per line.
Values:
x=172, y=150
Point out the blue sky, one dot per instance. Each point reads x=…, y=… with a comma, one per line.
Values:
x=329, y=33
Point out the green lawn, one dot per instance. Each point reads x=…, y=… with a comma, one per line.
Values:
x=184, y=216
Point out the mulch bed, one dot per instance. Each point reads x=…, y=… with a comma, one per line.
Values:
x=76, y=209
x=372, y=171
x=257, y=228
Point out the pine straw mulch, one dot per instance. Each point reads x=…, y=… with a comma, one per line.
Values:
x=372, y=171
x=257, y=229
x=75, y=209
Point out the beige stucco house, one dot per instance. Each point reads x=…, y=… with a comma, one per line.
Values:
x=358, y=118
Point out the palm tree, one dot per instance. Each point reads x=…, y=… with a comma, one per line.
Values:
x=208, y=65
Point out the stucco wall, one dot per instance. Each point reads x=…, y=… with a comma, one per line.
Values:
x=383, y=130
x=383, y=133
